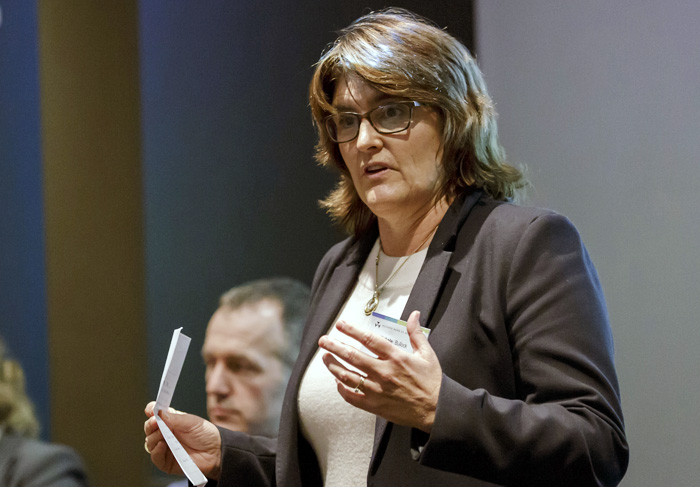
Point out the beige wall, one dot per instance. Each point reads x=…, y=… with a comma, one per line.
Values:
x=88, y=56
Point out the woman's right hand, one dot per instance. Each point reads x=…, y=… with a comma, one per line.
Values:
x=199, y=437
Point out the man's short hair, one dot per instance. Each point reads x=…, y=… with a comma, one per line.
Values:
x=294, y=297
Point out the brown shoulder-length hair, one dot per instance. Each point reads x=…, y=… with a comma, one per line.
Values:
x=402, y=54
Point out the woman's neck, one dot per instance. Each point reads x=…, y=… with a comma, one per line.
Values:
x=402, y=236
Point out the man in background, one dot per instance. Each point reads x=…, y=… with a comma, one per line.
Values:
x=251, y=344
x=250, y=347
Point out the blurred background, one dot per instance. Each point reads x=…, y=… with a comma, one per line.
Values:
x=155, y=153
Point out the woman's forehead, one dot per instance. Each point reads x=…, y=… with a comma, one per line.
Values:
x=351, y=92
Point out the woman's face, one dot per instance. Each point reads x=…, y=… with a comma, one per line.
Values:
x=395, y=175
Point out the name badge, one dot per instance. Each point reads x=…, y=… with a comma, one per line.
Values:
x=393, y=330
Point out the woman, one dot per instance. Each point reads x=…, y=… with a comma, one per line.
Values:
x=25, y=461
x=516, y=384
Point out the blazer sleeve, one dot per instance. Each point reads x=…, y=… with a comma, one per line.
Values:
x=246, y=460
x=563, y=425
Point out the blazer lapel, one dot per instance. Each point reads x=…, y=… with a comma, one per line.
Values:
x=435, y=271
x=429, y=282
x=343, y=277
x=428, y=287
x=322, y=312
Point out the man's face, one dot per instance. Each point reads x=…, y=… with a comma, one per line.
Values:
x=244, y=372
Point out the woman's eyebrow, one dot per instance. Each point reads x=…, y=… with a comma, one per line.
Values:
x=375, y=101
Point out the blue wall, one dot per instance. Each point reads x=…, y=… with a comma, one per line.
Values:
x=230, y=184
x=22, y=283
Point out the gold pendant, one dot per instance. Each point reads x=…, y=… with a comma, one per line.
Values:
x=372, y=304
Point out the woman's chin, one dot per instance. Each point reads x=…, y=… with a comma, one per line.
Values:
x=383, y=207
x=385, y=204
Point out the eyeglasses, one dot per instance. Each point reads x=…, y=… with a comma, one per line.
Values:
x=385, y=119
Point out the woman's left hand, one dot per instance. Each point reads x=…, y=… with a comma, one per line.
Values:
x=400, y=387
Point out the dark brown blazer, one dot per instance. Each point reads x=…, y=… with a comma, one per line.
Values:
x=529, y=395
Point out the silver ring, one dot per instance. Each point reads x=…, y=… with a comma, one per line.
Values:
x=145, y=447
x=359, y=386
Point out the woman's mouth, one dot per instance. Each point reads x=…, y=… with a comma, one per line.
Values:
x=373, y=169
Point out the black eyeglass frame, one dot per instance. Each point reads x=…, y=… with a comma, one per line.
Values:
x=368, y=115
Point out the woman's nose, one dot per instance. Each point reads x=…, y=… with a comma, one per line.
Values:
x=367, y=137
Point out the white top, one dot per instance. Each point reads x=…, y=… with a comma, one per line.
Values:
x=341, y=435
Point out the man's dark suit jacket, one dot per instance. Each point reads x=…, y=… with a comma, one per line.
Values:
x=529, y=394
x=30, y=463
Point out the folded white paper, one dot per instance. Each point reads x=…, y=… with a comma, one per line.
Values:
x=171, y=373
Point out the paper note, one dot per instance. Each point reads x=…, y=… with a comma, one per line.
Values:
x=171, y=373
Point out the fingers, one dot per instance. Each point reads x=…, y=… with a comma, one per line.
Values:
x=351, y=380
x=154, y=437
x=161, y=456
x=156, y=446
x=150, y=425
x=371, y=367
x=149, y=408
x=153, y=440
x=398, y=386
x=158, y=451
x=357, y=399
x=418, y=340
x=154, y=443
x=374, y=343
x=349, y=354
